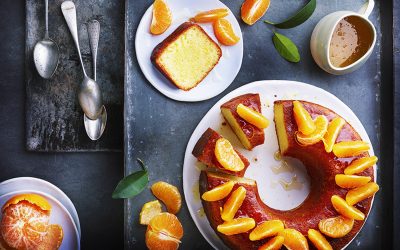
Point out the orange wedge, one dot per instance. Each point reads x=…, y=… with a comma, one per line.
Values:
x=266, y=229
x=164, y=232
x=224, y=32
x=294, y=240
x=361, y=193
x=253, y=10
x=321, y=126
x=336, y=227
x=236, y=226
x=351, y=181
x=334, y=128
x=219, y=192
x=233, y=204
x=359, y=165
x=275, y=243
x=345, y=209
x=149, y=210
x=162, y=17
x=252, y=116
x=210, y=15
x=303, y=119
x=169, y=195
x=227, y=156
x=350, y=148
x=318, y=240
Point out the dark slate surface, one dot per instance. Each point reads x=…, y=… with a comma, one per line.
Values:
x=54, y=119
x=157, y=129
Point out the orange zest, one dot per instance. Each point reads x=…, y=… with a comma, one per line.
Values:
x=303, y=119
x=318, y=240
x=350, y=148
x=149, y=210
x=336, y=227
x=275, y=243
x=227, y=156
x=210, y=15
x=321, y=126
x=253, y=10
x=359, y=165
x=164, y=232
x=293, y=239
x=233, y=204
x=345, y=209
x=224, y=32
x=162, y=17
x=334, y=128
x=266, y=229
x=252, y=116
x=219, y=192
x=169, y=195
x=351, y=181
x=36, y=199
x=361, y=193
x=236, y=226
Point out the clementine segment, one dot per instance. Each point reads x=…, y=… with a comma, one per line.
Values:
x=236, y=226
x=351, y=181
x=345, y=209
x=336, y=227
x=321, y=126
x=252, y=116
x=293, y=239
x=162, y=17
x=169, y=195
x=210, y=15
x=233, y=204
x=164, y=232
x=53, y=238
x=227, y=156
x=149, y=210
x=361, y=193
x=275, y=243
x=303, y=119
x=359, y=165
x=253, y=10
x=350, y=148
x=318, y=240
x=266, y=229
x=334, y=128
x=157, y=240
x=224, y=32
x=219, y=192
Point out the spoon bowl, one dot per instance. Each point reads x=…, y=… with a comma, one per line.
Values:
x=95, y=128
x=90, y=98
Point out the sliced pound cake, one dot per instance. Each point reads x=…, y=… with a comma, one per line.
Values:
x=186, y=56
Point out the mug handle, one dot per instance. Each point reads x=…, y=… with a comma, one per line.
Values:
x=367, y=8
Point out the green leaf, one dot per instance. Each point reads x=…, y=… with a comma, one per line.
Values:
x=133, y=184
x=300, y=17
x=286, y=48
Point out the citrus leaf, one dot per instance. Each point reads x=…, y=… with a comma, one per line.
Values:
x=300, y=17
x=286, y=48
x=133, y=184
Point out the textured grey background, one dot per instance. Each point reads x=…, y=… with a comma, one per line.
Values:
x=157, y=129
x=54, y=119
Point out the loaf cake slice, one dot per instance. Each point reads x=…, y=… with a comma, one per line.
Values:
x=186, y=56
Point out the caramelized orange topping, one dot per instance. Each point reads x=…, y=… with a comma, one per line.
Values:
x=236, y=226
x=350, y=148
x=253, y=10
x=334, y=128
x=210, y=15
x=303, y=119
x=359, y=165
x=219, y=192
x=162, y=17
x=266, y=229
x=321, y=126
x=345, y=209
x=233, y=204
x=351, y=181
x=224, y=32
x=294, y=240
x=336, y=227
x=318, y=240
x=252, y=116
x=361, y=193
x=227, y=156
x=275, y=243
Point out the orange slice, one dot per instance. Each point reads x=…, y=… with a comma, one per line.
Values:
x=169, y=195
x=350, y=148
x=224, y=32
x=164, y=232
x=361, y=193
x=233, y=204
x=162, y=17
x=294, y=240
x=359, y=165
x=275, y=243
x=252, y=116
x=36, y=199
x=210, y=15
x=318, y=240
x=351, y=181
x=149, y=210
x=303, y=119
x=236, y=226
x=253, y=10
x=53, y=238
x=219, y=192
x=336, y=227
x=334, y=128
x=266, y=229
x=321, y=126
x=227, y=156
x=345, y=209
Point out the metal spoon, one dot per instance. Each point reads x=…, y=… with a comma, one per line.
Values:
x=46, y=52
x=89, y=93
x=95, y=128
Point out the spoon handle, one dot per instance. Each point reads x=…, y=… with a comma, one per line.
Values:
x=46, y=6
x=69, y=12
x=94, y=34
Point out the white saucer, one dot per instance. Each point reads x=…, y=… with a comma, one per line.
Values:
x=260, y=170
x=217, y=80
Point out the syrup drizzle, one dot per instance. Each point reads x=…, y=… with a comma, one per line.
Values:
x=293, y=184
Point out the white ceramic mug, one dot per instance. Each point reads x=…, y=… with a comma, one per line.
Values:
x=322, y=35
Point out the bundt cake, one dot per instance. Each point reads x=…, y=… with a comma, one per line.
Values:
x=335, y=163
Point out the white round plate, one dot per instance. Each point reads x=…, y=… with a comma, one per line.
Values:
x=217, y=80
x=39, y=185
x=262, y=157
x=59, y=215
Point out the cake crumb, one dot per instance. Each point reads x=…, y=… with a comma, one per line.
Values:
x=224, y=124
